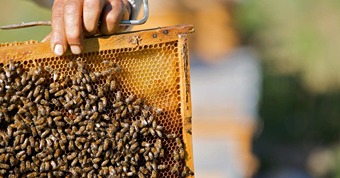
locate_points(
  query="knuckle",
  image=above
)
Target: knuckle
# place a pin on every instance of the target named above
(112, 18)
(90, 29)
(92, 4)
(73, 37)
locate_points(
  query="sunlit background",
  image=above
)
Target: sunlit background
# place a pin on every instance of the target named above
(17, 11)
(265, 82)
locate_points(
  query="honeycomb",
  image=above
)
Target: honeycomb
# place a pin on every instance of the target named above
(154, 66)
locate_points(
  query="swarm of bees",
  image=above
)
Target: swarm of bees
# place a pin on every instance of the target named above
(66, 126)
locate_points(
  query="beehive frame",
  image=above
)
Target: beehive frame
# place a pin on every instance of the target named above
(155, 66)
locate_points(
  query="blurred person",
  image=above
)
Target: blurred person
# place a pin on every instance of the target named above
(225, 84)
(72, 20)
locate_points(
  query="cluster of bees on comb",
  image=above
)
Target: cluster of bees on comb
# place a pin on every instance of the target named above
(59, 126)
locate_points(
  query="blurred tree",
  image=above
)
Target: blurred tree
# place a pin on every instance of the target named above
(296, 37)
(299, 44)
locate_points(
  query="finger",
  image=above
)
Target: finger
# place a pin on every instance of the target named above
(91, 13)
(111, 17)
(47, 37)
(126, 15)
(58, 39)
(73, 24)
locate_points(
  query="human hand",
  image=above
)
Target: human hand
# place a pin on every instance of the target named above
(72, 20)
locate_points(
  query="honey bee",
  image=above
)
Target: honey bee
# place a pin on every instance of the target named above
(120, 145)
(67, 98)
(16, 140)
(161, 153)
(22, 111)
(80, 131)
(171, 136)
(74, 162)
(129, 99)
(32, 175)
(23, 79)
(68, 120)
(175, 168)
(71, 64)
(181, 153)
(59, 93)
(55, 113)
(159, 111)
(179, 142)
(77, 120)
(11, 107)
(137, 101)
(176, 155)
(151, 156)
(100, 106)
(55, 75)
(17, 83)
(124, 112)
(104, 163)
(13, 161)
(37, 99)
(68, 104)
(58, 173)
(143, 121)
(42, 167)
(93, 97)
(145, 114)
(24, 144)
(186, 172)
(104, 101)
(117, 104)
(55, 85)
(20, 154)
(106, 117)
(94, 116)
(159, 127)
(152, 131)
(44, 102)
(8, 73)
(118, 95)
(60, 124)
(57, 153)
(71, 145)
(89, 88)
(134, 147)
(140, 175)
(56, 102)
(144, 131)
(146, 144)
(162, 167)
(40, 81)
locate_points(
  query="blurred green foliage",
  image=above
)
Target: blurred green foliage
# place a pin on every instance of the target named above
(17, 11)
(298, 41)
(296, 36)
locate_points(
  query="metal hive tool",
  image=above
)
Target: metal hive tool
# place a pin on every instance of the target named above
(155, 67)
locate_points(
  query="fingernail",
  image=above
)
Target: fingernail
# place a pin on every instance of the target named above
(58, 50)
(75, 49)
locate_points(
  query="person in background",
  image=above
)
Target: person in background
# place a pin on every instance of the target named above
(72, 20)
